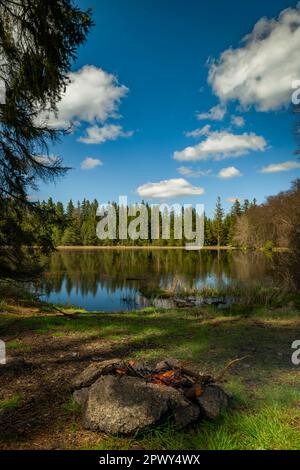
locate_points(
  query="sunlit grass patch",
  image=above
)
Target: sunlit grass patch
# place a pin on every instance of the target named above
(59, 334)
(10, 403)
(237, 391)
(151, 352)
(17, 345)
(268, 428)
(282, 394)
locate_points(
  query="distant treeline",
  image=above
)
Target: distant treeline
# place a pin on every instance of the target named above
(76, 225)
(247, 224)
(274, 223)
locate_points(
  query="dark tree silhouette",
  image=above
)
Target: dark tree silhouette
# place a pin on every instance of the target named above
(38, 42)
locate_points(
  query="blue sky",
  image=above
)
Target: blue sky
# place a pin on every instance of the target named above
(147, 80)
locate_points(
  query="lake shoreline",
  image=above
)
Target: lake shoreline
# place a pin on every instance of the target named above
(151, 247)
(137, 247)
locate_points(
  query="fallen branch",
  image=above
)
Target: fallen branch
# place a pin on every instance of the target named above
(228, 365)
(65, 314)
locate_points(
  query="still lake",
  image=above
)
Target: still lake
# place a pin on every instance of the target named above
(116, 280)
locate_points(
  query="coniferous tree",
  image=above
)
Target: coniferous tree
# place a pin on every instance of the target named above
(246, 205)
(236, 208)
(218, 222)
(38, 42)
(208, 232)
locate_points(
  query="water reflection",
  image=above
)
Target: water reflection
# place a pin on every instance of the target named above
(110, 280)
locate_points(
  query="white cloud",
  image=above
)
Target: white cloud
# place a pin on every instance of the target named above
(198, 132)
(216, 113)
(229, 172)
(261, 72)
(90, 163)
(191, 173)
(278, 167)
(169, 188)
(232, 200)
(219, 145)
(98, 135)
(238, 121)
(92, 96)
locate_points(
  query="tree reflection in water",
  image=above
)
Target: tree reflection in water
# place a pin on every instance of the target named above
(112, 279)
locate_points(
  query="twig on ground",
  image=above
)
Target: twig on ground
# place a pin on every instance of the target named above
(69, 315)
(228, 365)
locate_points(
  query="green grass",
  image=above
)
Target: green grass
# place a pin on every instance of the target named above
(71, 407)
(10, 403)
(17, 345)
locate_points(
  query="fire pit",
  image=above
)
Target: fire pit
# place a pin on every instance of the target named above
(119, 396)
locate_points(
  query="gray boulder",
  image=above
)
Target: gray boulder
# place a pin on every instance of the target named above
(212, 401)
(124, 405)
(80, 396)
